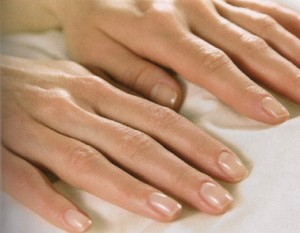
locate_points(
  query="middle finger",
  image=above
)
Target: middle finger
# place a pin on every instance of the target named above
(139, 154)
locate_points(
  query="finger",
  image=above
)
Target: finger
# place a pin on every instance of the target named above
(134, 72)
(177, 134)
(146, 159)
(196, 60)
(86, 168)
(286, 17)
(265, 27)
(134, 151)
(211, 68)
(29, 186)
(166, 126)
(269, 67)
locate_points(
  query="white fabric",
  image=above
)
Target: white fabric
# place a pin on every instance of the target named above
(267, 201)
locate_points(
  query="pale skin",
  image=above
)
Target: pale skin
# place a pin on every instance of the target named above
(117, 141)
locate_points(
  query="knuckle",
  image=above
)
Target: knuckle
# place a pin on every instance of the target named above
(254, 43)
(160, 13)
(82, 158)
(164, 14)
(214, 60)
(59, 97)
(135, 143)
(86, 81)
(99, 91)
(58, 101)
(266, 23)
(271, 5)
(163, 118)
(92, 83)
(260, 45)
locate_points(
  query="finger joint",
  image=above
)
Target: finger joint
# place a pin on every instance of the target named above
(135, 144)
(214, 60)
(82, 158)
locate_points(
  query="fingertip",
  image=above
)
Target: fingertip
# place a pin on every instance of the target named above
(275, 110)
(40, 196)
(163, 94)
(167, 208)
(77, 220)
(261, 106)
(232, 166)
(167, 94)
(217, 199)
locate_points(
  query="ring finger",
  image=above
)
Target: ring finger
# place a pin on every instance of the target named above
(137, 153)
(84, 167)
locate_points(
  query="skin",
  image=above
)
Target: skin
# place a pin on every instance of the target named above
(83, 133)
(70, 132)
(218, 60)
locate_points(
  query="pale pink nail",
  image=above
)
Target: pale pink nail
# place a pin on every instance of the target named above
(215, 195)
(77, 220)
(163, 94)
(164, 204)
(232, 166)
(274, 108)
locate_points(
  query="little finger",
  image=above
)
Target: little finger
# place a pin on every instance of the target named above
(29, 185)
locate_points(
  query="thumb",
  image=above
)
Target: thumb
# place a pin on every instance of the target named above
(142, 76)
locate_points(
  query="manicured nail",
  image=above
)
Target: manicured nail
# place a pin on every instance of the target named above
(274, 108)
(215, 195)
(164, 204)
(232, 166)
(164, 95)
(77, 220)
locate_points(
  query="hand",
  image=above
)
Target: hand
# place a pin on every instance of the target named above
(210, 43)
(57, 116)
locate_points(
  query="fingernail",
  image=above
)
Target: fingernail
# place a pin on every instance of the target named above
(215, 195)
(164, 204)
(164, 95)
(274, 108)
(232, 166)
(77, 220)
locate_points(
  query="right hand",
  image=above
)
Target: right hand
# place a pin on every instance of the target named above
(57, 116)
(212, 43)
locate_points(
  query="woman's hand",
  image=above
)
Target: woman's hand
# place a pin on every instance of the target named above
(210, 43)
(57, 116)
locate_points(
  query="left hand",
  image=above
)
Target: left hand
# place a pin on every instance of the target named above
(58, 117)
(210, 43)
